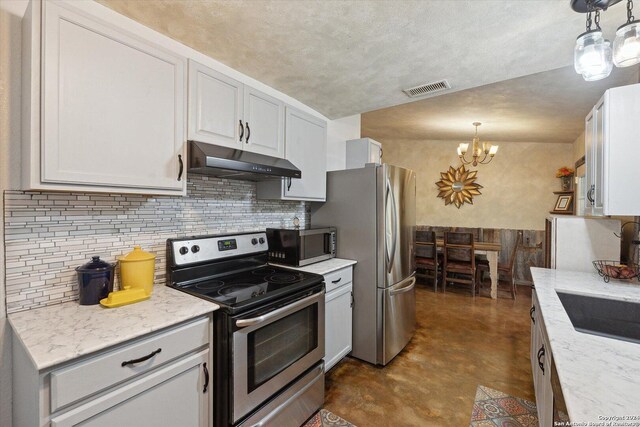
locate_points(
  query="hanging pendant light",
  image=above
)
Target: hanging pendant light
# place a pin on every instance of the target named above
(626, 45)
(592, 54)
(481, 152)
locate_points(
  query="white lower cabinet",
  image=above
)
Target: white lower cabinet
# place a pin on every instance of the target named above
(338, 316)
(163, 379)
(145, 402)
(541, 366)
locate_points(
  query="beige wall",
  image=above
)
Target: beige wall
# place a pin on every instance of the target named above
(518, 183)
(578, 152)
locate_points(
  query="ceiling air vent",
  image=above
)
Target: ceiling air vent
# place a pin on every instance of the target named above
(427, 89)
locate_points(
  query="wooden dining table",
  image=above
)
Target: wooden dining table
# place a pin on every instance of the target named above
(492, 251)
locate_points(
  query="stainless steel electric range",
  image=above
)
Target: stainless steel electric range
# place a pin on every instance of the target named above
(268, 334)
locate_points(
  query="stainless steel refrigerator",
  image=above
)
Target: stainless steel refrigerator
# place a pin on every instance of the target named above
(374, 211)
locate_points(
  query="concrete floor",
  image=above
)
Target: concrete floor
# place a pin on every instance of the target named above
(460, 343)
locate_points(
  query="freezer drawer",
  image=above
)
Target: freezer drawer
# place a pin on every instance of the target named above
(398, 318)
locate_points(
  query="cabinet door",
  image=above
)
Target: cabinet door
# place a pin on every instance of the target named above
(547, 394)
(338, 325)
(589, 187)
(215, 107)
(375, 152)
(264, 123)
(306, 148)
(534, 339)
(598, 157)
(171, 396)
(113, 105)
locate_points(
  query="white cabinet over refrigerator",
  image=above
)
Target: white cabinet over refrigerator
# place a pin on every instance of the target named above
(362, 151)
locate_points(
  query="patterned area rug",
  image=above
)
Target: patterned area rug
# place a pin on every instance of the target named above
(325, 418)
(494, 408)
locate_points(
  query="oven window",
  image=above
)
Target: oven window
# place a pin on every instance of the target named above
(278, 345)
(315, 245)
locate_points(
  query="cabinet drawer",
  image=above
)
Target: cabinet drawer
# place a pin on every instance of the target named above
(90, 376)
(338, 278)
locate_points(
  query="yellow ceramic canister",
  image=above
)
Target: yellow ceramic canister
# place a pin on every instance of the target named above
(137, 270)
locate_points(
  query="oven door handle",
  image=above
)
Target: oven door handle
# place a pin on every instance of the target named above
(243, 323)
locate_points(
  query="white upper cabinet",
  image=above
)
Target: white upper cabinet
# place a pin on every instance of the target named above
(215, 107)
(264, 123)
(362, 151)
(306, 148)
(223, 111)
(612, 132)
(107, 110)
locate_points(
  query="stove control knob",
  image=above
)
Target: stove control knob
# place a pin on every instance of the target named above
(184, 250)
(254, 241)
(262, 240)
(195, 249)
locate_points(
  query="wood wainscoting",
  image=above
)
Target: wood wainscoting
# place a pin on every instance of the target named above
(529, 254)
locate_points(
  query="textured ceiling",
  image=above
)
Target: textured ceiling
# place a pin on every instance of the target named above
(544, 107)
(351, 56)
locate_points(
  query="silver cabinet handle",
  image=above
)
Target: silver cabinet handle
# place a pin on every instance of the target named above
(243, 323)
(404, 289)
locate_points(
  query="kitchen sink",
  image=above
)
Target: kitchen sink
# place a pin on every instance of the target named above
(605, 317)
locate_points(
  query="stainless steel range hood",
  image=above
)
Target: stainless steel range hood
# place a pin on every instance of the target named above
(223, 162)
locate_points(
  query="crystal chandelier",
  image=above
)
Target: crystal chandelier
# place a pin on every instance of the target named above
(479, 151)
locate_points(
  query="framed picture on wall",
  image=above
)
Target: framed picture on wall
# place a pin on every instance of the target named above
(563, 204)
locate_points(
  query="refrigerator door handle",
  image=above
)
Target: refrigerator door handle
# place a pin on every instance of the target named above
(391, 256)
(404, 289)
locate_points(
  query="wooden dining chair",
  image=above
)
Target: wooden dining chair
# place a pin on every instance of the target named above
(506, 271)
(459, 260)
(427, 262)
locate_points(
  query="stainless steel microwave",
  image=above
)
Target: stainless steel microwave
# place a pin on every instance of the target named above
(298, 247)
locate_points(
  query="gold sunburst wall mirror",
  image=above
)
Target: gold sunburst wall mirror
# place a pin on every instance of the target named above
(458, 186)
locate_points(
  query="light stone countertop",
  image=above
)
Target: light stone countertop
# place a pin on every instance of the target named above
(599, 376)
(322, 267)
(59, 333)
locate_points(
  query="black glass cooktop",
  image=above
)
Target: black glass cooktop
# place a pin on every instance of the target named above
(247, 287)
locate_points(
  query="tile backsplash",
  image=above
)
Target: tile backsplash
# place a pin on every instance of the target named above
(48, 234)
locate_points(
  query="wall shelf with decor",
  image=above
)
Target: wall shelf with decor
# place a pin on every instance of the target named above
(565, 203)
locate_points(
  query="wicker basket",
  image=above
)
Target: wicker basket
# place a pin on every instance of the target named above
(614, 270)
